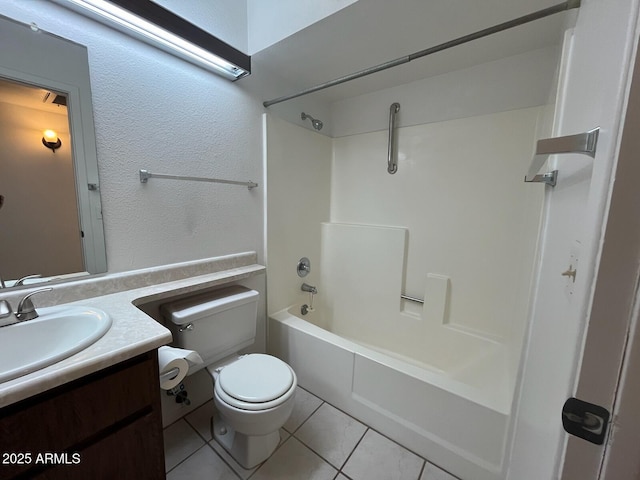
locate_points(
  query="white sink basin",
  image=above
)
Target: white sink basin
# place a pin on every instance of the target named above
(56, 334)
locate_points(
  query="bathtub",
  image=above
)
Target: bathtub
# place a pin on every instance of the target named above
(451, 406)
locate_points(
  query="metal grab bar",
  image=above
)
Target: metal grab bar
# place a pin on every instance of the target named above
(146, 175)
(584, 143)
(412, 299)
(392, 160)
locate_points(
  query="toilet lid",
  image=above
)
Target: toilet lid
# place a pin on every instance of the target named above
(256, 378)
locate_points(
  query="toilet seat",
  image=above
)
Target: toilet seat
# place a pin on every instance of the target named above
(255, 382)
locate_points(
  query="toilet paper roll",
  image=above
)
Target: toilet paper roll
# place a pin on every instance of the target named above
(171, 358)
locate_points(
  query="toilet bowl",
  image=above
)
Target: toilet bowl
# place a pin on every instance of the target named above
(254, 397)
(253, 394)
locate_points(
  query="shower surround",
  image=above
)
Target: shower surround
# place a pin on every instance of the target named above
(455, 226)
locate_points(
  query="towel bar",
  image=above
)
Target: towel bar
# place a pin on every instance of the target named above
(145, 175)
(584, 143)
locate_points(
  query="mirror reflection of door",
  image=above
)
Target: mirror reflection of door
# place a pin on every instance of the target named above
(39, 227)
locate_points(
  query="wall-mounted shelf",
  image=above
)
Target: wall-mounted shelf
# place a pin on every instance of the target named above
(584, 143)
(145, 175)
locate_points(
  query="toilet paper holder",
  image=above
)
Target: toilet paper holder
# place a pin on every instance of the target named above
(175, 364)
(170, 375)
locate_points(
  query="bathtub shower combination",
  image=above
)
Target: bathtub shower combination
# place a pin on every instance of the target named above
(423, 277)
(442, 391)
(452, 412)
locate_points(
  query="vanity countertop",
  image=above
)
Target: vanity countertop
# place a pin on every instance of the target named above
(132, 333)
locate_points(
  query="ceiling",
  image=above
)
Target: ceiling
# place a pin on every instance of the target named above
(371, 32)
(29, 96)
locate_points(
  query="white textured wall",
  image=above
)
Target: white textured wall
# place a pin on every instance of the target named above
(158, 112)
(298, 178)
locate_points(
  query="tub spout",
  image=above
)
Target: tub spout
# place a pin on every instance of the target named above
(308, 288)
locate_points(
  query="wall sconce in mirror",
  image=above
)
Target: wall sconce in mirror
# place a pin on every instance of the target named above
(162, 28)
(50, 140)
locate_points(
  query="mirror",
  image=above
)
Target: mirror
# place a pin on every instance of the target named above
(50, 209)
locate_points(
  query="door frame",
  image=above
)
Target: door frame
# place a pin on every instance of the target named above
(611, 356)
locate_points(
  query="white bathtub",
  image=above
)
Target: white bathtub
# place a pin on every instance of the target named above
(451, 405)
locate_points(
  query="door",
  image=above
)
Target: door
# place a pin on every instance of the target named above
(611, 359)
(578, 329)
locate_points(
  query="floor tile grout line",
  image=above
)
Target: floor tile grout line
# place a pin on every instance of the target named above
(424, 465)
(342, 411)
(369, 427)
(345, 475)
(184, 417)
(380, 433)
(293, 434)
(389, 438)
(403, 447)
(277, 448)
(425, 461)
(174, 423)
(233, 470)
(312, 451)
(353, 450)
(196, 430)
(308, 416)
(317, 453)
(200, 436)
(185, 458)
(207, 443)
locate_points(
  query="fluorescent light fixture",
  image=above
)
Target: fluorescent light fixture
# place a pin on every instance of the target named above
(161, 28)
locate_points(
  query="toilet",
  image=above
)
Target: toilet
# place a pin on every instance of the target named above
(253, 394)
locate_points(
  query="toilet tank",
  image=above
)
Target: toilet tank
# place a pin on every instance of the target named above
(214, 324)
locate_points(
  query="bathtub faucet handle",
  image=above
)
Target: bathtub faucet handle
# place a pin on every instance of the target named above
(308, 288)
(304, 267)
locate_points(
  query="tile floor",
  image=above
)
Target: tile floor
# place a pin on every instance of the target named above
(318, 442)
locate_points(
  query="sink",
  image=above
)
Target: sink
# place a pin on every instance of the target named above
(56, 334)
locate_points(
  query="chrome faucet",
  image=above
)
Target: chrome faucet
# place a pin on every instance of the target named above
(313, 291)
(308, 288)
(20, 281)
(26, 309)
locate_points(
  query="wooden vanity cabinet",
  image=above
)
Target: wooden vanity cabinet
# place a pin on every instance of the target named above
(107, 425)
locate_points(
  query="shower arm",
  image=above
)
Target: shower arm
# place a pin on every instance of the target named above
(317, 124)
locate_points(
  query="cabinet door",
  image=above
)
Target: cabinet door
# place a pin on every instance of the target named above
(111, 419)
(129, 453)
